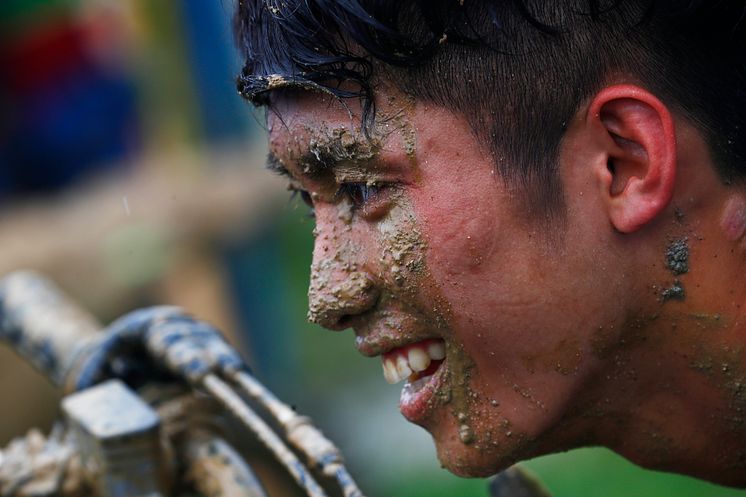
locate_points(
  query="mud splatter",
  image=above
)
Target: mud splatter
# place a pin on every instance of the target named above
(399, 122)
(611, 342)
(678, 215)
(403, 254)
(342, 281)
(466, 434)
(345, 211)
(659, 446)
(347, 297)
(337, 287)
(329, 146)
(734, 381)
(674, 292)
(677, 261)
(564, 358)
(677, 256)
(403, 260)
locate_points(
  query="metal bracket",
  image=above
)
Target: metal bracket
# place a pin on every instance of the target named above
(118, 436)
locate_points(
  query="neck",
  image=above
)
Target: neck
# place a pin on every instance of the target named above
(681, 382)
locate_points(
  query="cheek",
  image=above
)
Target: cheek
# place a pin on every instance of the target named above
(473, 254)
(495, 276)
(461, 236)
(459, 227)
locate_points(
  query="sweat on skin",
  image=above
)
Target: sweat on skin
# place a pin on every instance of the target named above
(555, 329)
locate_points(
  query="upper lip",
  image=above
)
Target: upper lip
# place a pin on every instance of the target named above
(383, 332)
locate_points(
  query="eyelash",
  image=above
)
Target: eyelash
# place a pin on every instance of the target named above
(305, 197)
(358, 193)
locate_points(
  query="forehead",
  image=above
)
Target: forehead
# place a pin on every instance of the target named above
(425, 140)
(306, 122)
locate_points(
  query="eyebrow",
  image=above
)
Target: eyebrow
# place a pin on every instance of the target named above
(275, 165)
(312, 164)
(318, 159)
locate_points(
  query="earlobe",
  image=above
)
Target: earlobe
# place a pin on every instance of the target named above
(638, 136)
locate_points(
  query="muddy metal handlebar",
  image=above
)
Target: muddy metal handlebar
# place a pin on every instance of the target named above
(42, 325)
(118, 435)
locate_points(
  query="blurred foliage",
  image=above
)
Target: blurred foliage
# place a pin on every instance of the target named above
(601, 473)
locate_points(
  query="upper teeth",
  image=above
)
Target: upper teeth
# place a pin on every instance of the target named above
(400, 364)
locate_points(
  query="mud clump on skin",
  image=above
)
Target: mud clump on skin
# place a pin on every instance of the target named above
(677, 256)
(674, 292)
(351, 293)
(403, 249)
(337, 145)
(340, 144)
(465, 434)
(403, 261)
(337, 287)
(677, 261)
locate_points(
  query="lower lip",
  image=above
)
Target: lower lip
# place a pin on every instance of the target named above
(416, 405)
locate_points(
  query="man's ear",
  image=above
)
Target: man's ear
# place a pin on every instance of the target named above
(637, 134)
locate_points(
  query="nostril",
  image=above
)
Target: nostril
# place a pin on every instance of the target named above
(331, 320)
(344, 322)
(336, 306)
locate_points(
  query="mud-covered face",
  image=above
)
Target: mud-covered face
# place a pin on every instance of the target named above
(422, 250)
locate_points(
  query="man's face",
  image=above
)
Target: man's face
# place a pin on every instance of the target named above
(422, 249)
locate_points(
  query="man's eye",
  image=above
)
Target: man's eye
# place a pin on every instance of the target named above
(305, 196)
(358, 193)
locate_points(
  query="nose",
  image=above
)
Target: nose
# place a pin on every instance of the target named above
(339, 289)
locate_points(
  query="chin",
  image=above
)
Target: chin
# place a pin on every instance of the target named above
(473, 462)
(478, 460)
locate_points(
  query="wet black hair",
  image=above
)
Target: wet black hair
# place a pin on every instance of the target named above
(516, 69)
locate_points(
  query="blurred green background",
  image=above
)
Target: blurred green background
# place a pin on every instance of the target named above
(131, 172)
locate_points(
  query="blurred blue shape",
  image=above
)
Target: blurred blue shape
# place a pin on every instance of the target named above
(215, 64)
(259, 286)
(67, 129)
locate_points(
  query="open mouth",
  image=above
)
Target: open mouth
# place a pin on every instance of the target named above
(418, 364)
